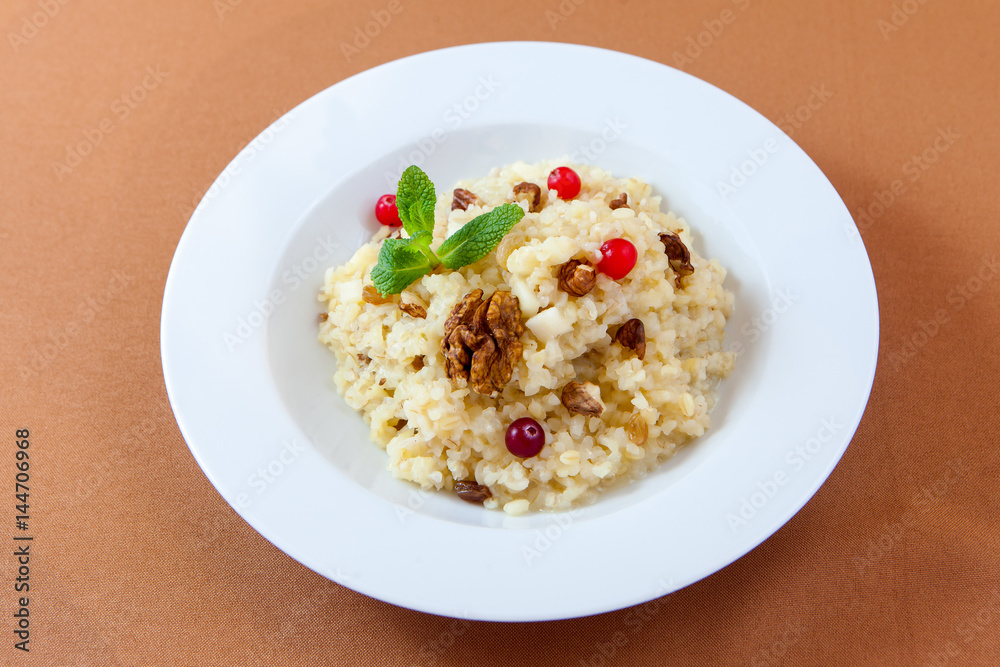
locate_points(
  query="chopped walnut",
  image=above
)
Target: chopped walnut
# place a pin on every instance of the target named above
(323, 317)
(637, 429)
(472, 492)
(678, 254)
(463, 199)
(482, 340)
(583, 398)
(577, 277)
(413, 310)
(632, 335)
(533, 192)
(371, 295)
(621, 201)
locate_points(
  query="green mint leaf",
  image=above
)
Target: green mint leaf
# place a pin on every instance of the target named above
(400, 263)
(422, 242)
(479, 236)
(415, 200)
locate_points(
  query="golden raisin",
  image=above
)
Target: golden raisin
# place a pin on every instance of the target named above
(371, 295)
(637, 429)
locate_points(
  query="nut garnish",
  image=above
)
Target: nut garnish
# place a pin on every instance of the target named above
(637, 429)
(677, 253)
(463, 199)
(413, 310)
(632, 335)
(532, 191)
(482, 340)
(577, 277)
(621, 201)
(472, 492)
(583, 398)
(371, 295)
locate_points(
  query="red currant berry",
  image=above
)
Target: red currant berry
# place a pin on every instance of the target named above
(525, 438)
(617, 258)
(386, 211)
(565, 182)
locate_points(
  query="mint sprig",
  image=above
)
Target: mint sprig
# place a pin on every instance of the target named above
(402, 262)
(415, 200)
(479, 236)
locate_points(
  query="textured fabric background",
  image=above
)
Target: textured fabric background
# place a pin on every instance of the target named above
(138, 561)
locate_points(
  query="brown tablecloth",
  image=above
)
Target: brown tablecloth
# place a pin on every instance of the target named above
(117, 116)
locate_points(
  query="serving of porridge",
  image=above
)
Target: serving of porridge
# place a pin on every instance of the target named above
(580, 352)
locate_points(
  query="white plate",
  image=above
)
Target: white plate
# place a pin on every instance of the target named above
(251, 387)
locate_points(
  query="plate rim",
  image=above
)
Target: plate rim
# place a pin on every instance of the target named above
(181, 251)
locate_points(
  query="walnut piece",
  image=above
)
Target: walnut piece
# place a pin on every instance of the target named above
(471, 492)
(621, 201)
(583, 398)
(413, 310)
(533, 192)
(577, 277)
(482, 340)
(463, 199)
(632, 335)
(677, 253)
